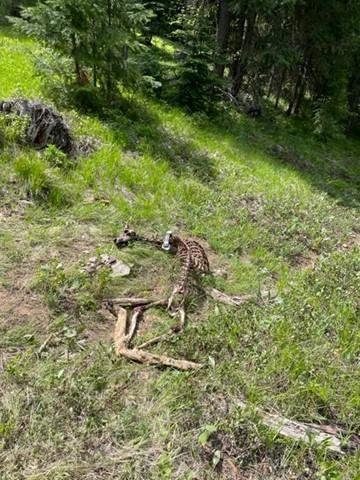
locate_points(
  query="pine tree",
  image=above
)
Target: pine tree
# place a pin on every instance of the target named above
(99, 35)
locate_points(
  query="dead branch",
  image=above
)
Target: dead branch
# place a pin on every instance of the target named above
(330, 435)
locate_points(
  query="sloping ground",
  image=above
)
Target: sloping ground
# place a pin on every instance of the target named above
(279, 211)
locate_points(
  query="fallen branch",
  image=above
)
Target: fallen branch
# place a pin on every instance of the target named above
(45, 344)
(330, 435)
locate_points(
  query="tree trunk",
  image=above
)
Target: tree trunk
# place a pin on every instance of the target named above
(78, 69)
(279, 89)
(108, 55)
(222, 35)
(292, 100)
(271, 82)
(94, 68)
(240, 68)
(294, 105)
(238, 41)
(94, 76)
(300, 96)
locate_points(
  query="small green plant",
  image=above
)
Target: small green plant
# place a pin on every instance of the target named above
(207, 431)
(41, 182)
(13, 128)
(56, 158)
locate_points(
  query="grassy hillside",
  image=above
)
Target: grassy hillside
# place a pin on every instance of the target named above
(278, 212)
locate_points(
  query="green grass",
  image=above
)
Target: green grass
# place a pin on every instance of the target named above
(281, 220)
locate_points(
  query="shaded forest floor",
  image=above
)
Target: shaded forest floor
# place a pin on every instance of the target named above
(278, 210)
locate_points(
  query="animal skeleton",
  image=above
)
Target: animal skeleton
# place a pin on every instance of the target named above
(192, 257)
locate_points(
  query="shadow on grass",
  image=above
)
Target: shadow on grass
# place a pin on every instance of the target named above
(332, 165)
(145, 133)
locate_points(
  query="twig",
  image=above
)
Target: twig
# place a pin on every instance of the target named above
(44, 345)
(154, 340)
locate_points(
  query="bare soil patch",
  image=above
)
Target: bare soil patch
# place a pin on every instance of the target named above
(19, 306)
(305, 261)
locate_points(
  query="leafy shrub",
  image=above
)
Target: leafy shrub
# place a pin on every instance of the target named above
(329, 115)
(56, 158)
(13, 128)
(86, 99)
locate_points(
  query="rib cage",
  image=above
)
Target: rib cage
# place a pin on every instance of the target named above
(192, 256)
(190, 253)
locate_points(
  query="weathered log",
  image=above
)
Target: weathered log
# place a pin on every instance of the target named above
(332, 436)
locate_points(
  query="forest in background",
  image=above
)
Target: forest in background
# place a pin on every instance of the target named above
(299, 56)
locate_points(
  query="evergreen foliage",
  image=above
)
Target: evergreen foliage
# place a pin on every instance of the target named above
(100, 36)
(197, 84)
(300, 56)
